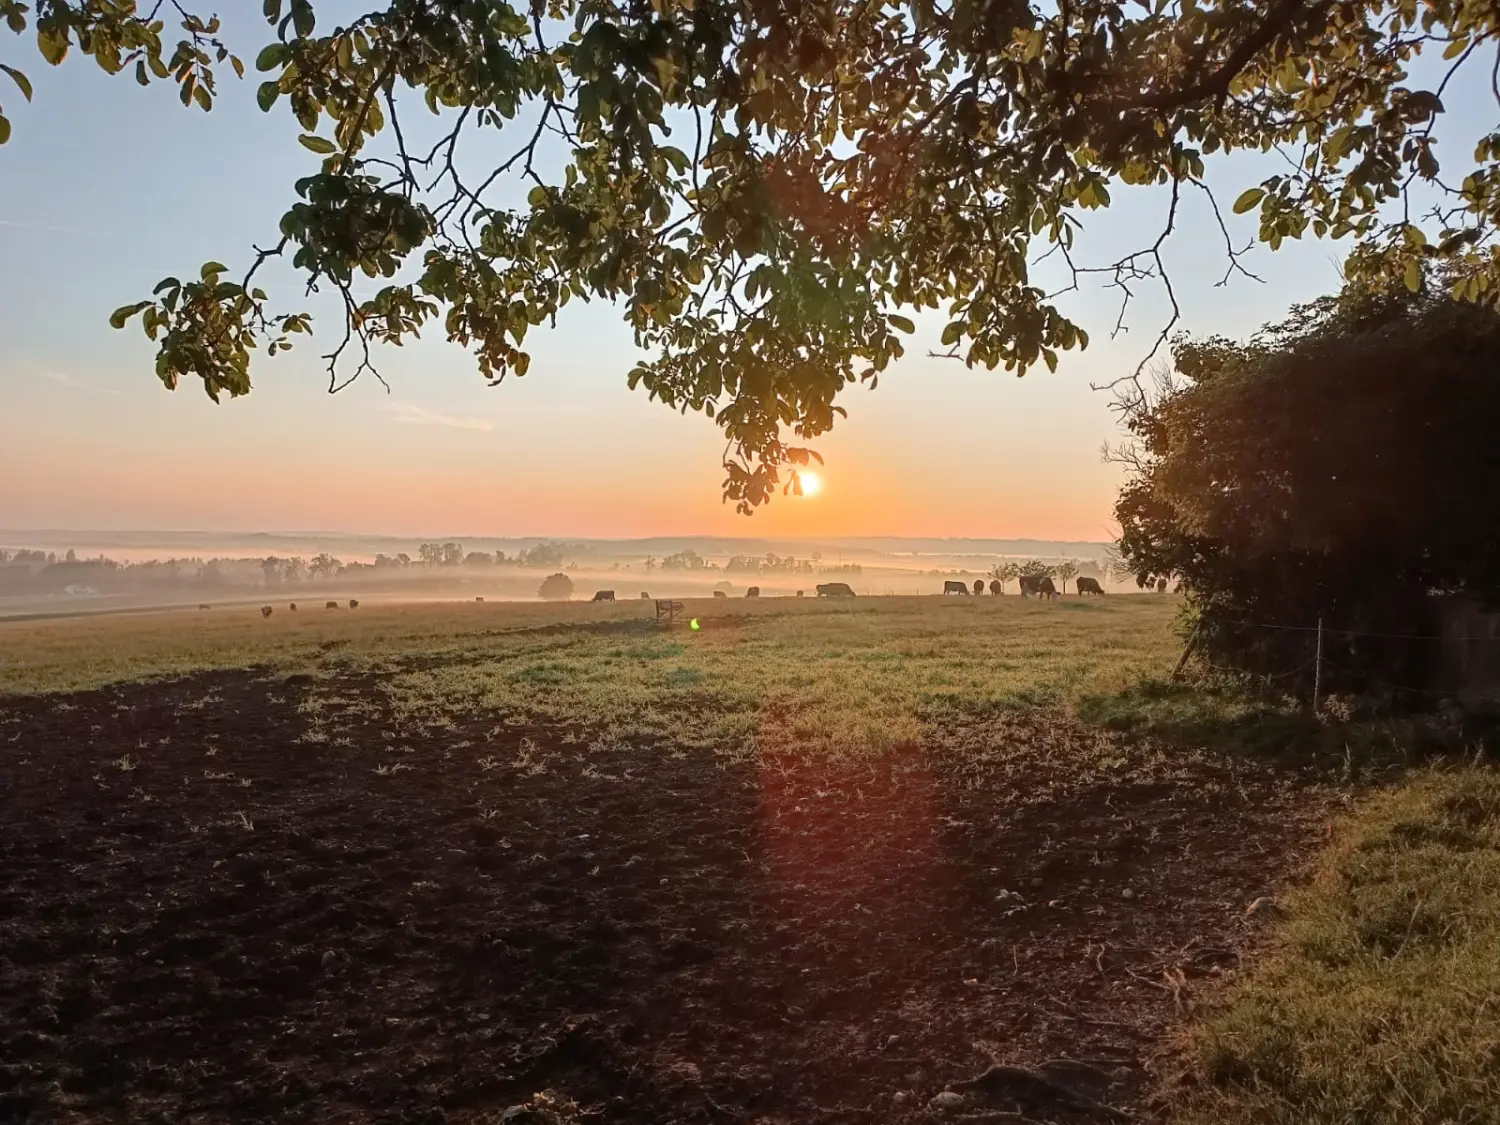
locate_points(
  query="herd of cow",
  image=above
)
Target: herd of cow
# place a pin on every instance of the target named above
(1040, 585)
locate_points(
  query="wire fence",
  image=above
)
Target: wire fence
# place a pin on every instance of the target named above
(1331, 659)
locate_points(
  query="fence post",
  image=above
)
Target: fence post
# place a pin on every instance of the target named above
(1318, 670)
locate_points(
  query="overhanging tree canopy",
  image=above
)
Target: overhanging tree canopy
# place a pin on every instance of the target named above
(763, 185)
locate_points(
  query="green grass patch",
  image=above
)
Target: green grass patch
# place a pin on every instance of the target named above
(1381, 1002)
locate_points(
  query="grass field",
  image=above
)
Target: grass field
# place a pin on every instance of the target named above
(814, 861)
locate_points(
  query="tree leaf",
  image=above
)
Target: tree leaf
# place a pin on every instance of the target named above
(1248, 199)
(266, 96)
(19, 79)
(951, 333)
(270, 57)
(902, 322)
(320, 145)
(53, 45)
(1413, 276)
(4, 129)
(210, 269)
(118, 318)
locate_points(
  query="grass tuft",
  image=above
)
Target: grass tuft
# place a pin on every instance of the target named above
(1381, 1002)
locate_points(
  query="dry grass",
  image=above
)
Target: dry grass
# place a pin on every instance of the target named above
(1381, 1002)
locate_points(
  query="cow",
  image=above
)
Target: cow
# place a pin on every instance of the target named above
(330, 605)
(265, 611)
(978, 587)
(996, 589)
(353, 603)
(604, 595)
(203, 607)
(834, 590)
(753, 592)
(1087, 585)
(293, 607)
(955, 588)
(799, 593)
(645, 596)
(720, 594)
(479, 600)
(1039, 584)
(1161, 585)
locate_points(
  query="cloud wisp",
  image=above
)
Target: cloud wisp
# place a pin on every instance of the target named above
(420, 416)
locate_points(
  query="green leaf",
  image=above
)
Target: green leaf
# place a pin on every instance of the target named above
(302, 18)
(321, 145)
(4, 129)
(1413, 274)
(1248, 199)
(537, 196)
(19, 79)
(53, 45)
(272, 10)
(266, 96)
(142, 75)
(902, 322)
(951, 333)
(118, 318)
(210, 269)
(270, 57)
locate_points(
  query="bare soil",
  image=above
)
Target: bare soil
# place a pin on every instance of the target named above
(205, 918)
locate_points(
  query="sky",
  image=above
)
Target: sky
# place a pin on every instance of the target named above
(106, 187)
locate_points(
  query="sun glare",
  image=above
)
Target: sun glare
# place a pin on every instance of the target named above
(812, 484)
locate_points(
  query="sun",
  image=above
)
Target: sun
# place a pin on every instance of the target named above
(812, 484)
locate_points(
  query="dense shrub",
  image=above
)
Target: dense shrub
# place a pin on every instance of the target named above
(1341, 465)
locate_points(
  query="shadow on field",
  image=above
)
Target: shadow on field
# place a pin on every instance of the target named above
(204, 915)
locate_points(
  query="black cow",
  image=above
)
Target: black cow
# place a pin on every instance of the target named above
(330, 605)
(834, 590)
(1087, 585)
(353, 603)
(720, 594)
(604, 595)
(479, 599)
(203, 607)
(1039, 584)
(996, 589)
(799, 593)
(265, 611)
(1161, 585)
(978, 587)
(293, 607)
(955, 588)
(753, 592)
(645, 596)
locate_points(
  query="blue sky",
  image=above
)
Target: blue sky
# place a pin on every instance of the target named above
(106, 187)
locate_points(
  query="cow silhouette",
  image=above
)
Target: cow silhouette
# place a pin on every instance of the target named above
(955, 588)
(1087, 585)
(604, 595)
(353, 603)
(753, 592)
(834, 590)
(265, 611)
(330, 605)
(996, 589)
(1039, 584)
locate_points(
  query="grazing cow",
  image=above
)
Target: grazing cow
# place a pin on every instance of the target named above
(645, 596)
(330, 605)
(834, 590)
(1039, 584)
(720, 594)
(353, 603)
(955, 588)
(753, 592)
(1161, 585)
(203, 607)
(479, 599)
(1087, 585)
(1177, 589)
(978, 587)
(996, 589)
(604, 595)
(799, 593)
(265, 611)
